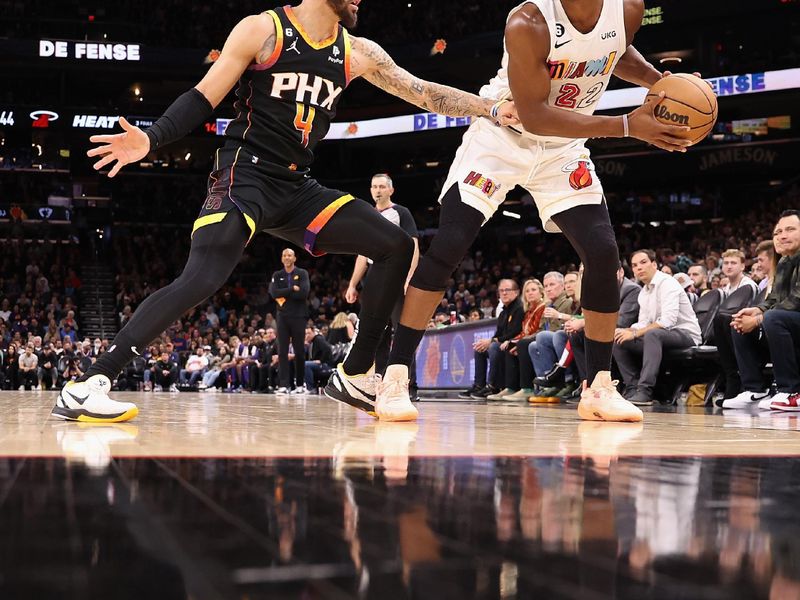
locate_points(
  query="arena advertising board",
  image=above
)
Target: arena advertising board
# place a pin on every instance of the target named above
(733, 85)
(445, 358)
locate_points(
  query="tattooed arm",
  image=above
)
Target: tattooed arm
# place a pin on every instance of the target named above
(374, 64)
(252, 38)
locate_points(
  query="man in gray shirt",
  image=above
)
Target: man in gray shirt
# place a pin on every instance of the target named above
(28, 368)
(666, 320)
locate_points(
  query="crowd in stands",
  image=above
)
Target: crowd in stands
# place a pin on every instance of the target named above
(40, 281)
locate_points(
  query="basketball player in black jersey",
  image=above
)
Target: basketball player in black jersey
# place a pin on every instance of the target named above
(292, 65)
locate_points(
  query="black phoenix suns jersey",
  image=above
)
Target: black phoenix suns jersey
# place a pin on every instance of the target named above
(285, 105)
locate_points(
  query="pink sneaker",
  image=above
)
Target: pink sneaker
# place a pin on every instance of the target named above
(602, 402)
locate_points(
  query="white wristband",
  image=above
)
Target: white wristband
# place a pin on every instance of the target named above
(625, 128)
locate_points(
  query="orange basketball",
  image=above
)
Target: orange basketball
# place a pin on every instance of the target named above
(689, 101)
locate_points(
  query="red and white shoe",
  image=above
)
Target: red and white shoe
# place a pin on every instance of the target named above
(602, 402)
(786, 402)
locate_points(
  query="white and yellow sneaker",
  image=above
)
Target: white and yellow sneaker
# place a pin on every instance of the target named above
(602, 402)
(393, 402)
(358, 391)
(88, 402)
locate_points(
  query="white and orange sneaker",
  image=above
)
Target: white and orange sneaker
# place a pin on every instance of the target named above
(393, 402)
(88, 402)
(602, 402)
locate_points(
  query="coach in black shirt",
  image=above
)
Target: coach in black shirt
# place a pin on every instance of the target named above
(290, 288)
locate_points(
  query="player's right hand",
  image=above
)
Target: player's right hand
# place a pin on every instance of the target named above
(130, 146)
(644, 126)
(351, 295)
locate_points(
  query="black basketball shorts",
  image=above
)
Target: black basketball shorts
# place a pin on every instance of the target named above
(284, 203)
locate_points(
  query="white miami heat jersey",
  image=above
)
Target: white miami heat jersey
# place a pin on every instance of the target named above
(580, 64)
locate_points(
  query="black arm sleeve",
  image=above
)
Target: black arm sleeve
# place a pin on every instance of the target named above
(184, 115)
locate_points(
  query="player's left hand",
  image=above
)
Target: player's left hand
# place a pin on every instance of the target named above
(125, 148)
(507, 114)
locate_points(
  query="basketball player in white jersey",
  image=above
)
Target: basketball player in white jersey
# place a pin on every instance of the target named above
(560, 55)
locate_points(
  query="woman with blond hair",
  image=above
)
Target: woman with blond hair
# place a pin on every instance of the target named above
(517, 358)
(340, 330)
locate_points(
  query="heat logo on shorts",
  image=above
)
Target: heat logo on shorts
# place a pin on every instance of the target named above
(581, 177)
(484, 184)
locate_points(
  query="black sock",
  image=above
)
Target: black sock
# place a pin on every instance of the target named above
(111, 363)
(362, 354)
(404, 345)
(598, 358)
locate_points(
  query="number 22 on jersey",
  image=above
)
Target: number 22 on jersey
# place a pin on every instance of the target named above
(304, 121)
(569, 93)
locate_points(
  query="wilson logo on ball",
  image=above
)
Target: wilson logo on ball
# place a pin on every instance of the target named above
(581, 177)
(662, 112)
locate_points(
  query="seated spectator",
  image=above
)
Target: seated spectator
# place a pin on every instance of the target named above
(29, 368)
(533, 306)
(319, 358)
(195, 368)
(511, 317)
(11, 381)
(723, 339)
(686, 283)
(765, 265)
(487, 351)
(561, 308)
(245, 355)
(341, 330)
(666, 320)
(72, 369)
(268, 367)
(165, 374)
(475, 315)
(48, 362)
(68, 332)
(217, 366)
(571, 284)
(779, 317)
(733, 263)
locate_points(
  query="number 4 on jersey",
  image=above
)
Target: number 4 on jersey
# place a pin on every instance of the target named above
(304, 122)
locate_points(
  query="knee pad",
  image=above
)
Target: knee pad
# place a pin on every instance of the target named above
(459, 225)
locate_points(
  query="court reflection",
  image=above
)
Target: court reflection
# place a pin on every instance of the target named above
(373, 521)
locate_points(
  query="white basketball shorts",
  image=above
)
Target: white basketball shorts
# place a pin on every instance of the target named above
(492, 160)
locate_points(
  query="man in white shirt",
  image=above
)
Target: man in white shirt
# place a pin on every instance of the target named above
(666, 320)
(733, 269)
(196, 366)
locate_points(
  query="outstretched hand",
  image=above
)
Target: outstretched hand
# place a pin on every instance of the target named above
(130, 146)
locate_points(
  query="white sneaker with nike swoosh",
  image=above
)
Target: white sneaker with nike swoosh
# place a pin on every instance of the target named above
(88, 402)
(356, 390)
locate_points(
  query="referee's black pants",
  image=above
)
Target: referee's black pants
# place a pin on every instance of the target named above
(294, 329)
